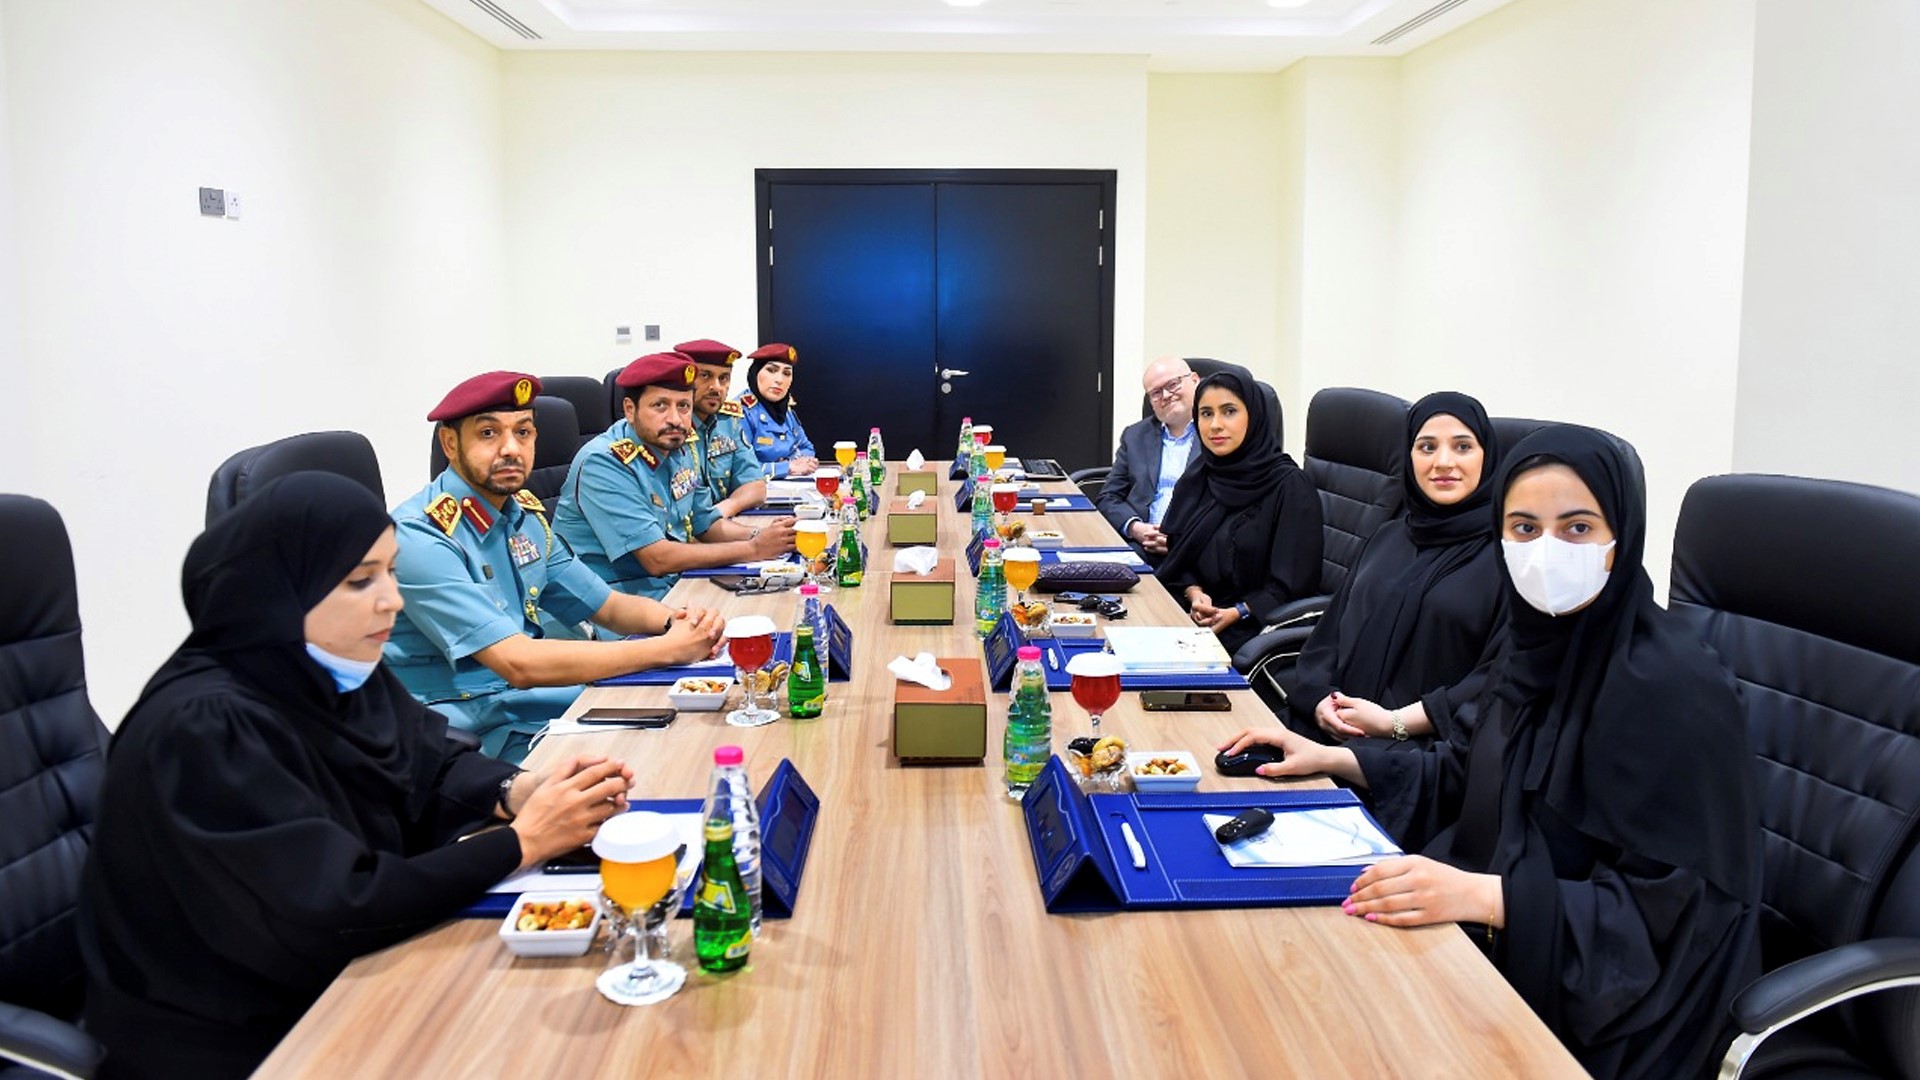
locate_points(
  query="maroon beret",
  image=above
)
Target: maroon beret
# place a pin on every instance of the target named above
(668, 370)
(502, 390)
(775, 351)
(708, 351)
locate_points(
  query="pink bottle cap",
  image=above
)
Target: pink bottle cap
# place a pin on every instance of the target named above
(1028, 652)
(993, 542)
(809, 589)
(728, 755)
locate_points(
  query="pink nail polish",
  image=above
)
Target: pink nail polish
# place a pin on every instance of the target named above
(1371, 917)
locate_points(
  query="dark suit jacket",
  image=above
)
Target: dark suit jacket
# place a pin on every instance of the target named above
(1136, 475)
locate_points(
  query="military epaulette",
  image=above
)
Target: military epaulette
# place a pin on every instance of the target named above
(626, 450)
(733, 409)
(646, 455)
(748, 401)
(528, 500)
(445, 513)
(477, 514)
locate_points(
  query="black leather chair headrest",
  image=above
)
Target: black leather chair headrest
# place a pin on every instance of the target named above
(1511, 429)
(1358, 427)
(589, 400)
(559, 436)
(41, 599)
(347, 453)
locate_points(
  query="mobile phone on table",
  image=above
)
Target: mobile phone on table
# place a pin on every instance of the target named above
(649, 717)
(580, 860)
(1185, 701)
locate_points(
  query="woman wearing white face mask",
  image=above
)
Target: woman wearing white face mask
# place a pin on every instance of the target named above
(1601, 829)
(276, 804)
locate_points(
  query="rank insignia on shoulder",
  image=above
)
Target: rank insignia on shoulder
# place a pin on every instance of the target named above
(445, 513)
(625, 450)
(732, 408)
(529, 500)
(748, 401)
(646, 455)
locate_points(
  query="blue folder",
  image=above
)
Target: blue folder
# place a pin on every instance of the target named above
(1007, 637)
(788, 810)
(1083, 865)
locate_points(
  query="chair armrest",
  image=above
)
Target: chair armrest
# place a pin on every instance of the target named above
(1807, 985)
(39, 1041)
(1274, 641)
(1302, 612)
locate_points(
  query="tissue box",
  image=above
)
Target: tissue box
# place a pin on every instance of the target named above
(942, 726)
(906, 527)
(912, 480)
(913, 600)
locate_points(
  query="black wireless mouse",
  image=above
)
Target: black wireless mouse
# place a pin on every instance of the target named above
(1245, 762)
(1249, 822)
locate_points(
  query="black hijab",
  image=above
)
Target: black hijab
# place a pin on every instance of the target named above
(249, 581)
(1215, 486)
(775, 409)
(1445, 538)
(1617, 714)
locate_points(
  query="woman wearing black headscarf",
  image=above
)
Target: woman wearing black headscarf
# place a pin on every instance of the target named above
(1423, 605)
(1243, 527)
(277, 804)
(1602, 824)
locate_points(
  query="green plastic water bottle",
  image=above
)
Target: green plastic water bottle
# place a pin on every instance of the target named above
(722, 920)
(1029, 738)
(990, 590)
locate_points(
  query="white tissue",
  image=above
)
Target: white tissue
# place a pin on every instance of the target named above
(922, 669)
(914, 500)
(916, 560)
(915, 461)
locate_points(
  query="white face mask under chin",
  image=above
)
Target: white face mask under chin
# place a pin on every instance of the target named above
(1556, 576)
(348, 675)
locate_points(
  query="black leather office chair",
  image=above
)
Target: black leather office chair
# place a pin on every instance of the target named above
(52, 755)
(614, 395)
(1808, 591)
(1511, 429)
(589, 400)
(553, 449)
(345, 452)
(1092, 481)
(1355, 453)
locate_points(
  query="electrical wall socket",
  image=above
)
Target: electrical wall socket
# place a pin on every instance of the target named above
(233, 205)
(653, 332)
(213, 202)
(622, 334)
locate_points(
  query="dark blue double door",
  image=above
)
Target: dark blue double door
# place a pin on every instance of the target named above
(917, 298)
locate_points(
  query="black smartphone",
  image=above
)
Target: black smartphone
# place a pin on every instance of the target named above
(1185, 701)
(580, 860)
(655, 717)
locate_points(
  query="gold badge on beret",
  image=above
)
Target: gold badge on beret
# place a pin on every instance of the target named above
(792, 354)
(523, 391)
(689, 374)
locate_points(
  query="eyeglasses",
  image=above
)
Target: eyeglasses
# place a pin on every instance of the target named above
(1168, 389)
(1109, 606)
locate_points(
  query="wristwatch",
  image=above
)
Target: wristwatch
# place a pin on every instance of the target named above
(1399, 727)
(506, 787)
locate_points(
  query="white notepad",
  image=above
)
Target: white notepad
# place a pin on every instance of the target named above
(1333, 836)
(1167, 650)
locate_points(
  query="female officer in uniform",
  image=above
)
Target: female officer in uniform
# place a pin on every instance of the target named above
(772, 427)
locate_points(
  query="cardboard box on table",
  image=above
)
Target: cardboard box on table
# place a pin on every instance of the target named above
(942, 726)
(913, 600)
(912, 480)
(907, 527)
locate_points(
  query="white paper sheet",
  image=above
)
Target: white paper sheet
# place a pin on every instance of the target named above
(1334, 836)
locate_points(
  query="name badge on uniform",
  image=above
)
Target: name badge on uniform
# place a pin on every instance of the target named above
(764, 440)
(657, 502)
(523, 549)
(683, 483)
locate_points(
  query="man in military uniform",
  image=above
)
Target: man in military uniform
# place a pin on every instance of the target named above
(478, 565)
(732, 474)
(771, 423)
(633, 506)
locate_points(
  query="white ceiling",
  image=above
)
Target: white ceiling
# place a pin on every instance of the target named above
(1174, 35)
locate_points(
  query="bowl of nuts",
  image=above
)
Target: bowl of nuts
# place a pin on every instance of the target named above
(1163, 770)
(551, 924)
(702, 693)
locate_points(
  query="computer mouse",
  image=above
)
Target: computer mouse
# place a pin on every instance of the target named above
(1246, 761)
(1249, 822)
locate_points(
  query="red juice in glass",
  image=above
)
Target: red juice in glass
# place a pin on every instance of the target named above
(1006, 498)
(752, 654)
(1096, 693)
(827, 482)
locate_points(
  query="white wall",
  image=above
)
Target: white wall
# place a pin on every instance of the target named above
(362, 280)
(630, 176)
(11, 367)
(1573, 190)
(1214, 207)
(1828, 378)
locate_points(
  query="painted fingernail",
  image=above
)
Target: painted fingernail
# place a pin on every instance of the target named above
(1346, 906)
(1371, 917)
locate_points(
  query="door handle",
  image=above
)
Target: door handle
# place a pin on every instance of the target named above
(948, 373)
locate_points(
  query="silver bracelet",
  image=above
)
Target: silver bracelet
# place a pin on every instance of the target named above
(1399, 726)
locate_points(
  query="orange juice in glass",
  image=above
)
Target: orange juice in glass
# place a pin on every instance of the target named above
(1022, 568)
(843, 453)
(810, 540)
(996, 457)
(639, 855)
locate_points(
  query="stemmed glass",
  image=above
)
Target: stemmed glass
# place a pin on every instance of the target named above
(750, 643)
(1096, 683)
(996, 458)
(1006, 499)
(843, 452)
(1021, 566)
(827, 482)
(810, 540)
(639, 855)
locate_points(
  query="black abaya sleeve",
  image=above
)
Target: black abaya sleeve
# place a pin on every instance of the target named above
(466, 789)
(1414, 793)
(1293, 561)
(1315, 670)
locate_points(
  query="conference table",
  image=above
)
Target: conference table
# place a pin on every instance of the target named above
(919, 944)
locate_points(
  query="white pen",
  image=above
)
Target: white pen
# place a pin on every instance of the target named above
(1133, 846)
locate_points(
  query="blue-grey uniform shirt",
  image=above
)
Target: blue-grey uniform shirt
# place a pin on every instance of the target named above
(774, 443)
(473, 576)
(622, 495)
(726, 459)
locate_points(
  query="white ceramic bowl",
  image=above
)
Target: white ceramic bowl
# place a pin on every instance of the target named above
(549, 942)
(1074, 624)
(688, 698)
(1180, 781)
(1046, 539)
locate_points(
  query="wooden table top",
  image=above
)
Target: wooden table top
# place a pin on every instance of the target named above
(920, 946)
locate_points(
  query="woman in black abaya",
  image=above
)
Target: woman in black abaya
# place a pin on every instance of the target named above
(1600, 830)
(1243, 527)
(276, 804)
(1424, 603)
